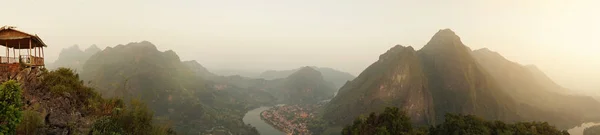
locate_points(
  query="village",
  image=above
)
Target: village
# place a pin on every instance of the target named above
(291, 119)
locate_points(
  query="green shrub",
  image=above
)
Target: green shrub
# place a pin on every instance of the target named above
(10, 107)
(135, 119)
(65, 80)
(32, 120)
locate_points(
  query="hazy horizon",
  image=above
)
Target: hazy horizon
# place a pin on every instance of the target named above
(558, 36)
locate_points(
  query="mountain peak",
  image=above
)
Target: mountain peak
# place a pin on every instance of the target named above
(92, 49)
(445, 32)
(444, 38)
(396, 50)
(307, 70)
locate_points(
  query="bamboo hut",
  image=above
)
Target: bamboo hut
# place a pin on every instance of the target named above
(22, 50)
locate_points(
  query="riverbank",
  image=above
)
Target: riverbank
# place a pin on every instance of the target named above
(254, 119)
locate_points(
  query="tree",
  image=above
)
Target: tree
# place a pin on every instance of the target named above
(391, 122)
(135, 119)
(10, 107)
(395, 122)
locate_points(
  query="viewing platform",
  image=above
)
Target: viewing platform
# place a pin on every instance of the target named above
(22, 50)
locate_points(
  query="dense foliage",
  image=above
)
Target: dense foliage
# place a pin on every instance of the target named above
(66, 82)
(395, 122)
(136, 119)
(391, 122)
(32, 120)
(10, 107)
(593, 130)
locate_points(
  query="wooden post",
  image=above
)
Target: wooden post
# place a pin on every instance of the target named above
(14, 54)
(19, 52)
(30, 60)
(44, 64)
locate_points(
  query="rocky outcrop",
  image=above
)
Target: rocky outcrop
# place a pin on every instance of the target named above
(62, 115)
(396, 79)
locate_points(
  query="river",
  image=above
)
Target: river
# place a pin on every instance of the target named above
(579, 129)
(253, 118)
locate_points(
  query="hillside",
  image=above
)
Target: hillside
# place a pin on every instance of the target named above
(440, 78)
(173, 90)
(73, 57)
(57, 102)
(338, 78)
(396, 79)
(198, 69)
(304, 86)
(523, 82)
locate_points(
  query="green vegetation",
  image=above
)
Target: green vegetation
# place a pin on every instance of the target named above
(32, 120)
(593, 130)
(395, 122)
(136, 119)
(470, 124)
(10, 107)
(317, 125)
(391, 122)
(66, 81)
(58, 102)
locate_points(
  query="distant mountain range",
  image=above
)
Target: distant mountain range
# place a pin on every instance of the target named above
(174, 91)
(445, 76)
(304, 86)
(338, 78)
(73, 57)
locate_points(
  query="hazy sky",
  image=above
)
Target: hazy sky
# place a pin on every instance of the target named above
(562, 37)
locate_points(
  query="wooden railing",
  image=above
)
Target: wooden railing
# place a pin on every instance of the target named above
(8, 60)
(37, 61)
(26, 59)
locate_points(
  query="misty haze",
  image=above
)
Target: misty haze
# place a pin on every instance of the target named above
(275, 67)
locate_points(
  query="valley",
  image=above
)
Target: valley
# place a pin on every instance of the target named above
(405, 91)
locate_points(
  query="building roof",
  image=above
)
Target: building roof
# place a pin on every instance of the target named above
(12, 38)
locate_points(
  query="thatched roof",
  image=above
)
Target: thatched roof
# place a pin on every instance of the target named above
(17, 39)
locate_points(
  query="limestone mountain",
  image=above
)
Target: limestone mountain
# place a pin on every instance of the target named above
(338, 78)
(440, 78)
(304, 86)
(459, 84)
(396, 79)
(173, 90)
(73, 57)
